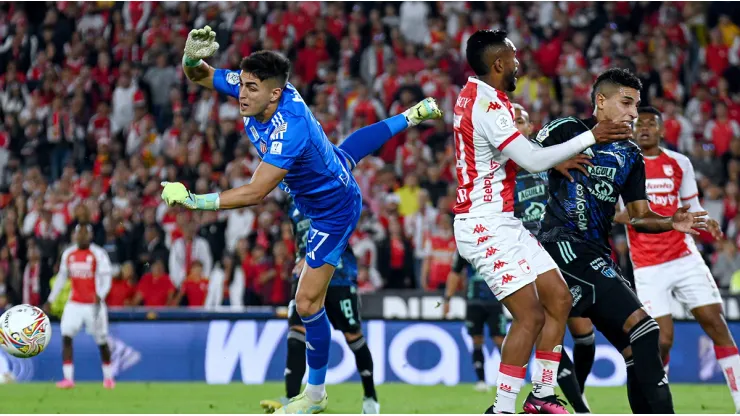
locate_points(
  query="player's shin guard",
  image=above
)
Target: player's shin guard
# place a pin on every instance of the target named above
(295, 363)
(478, 362)
(729, 361)
(510, 382)
(584, 350)
(364, 361)
(318, 340)
(648, 366)
(635, 395)
(569, 385)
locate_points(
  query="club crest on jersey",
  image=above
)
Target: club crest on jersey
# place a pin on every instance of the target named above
(263, 147)
(524, 266)
(232, 78)
(543, 134)
(668, 170)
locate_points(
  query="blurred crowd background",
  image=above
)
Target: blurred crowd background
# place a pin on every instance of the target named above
(96, 111)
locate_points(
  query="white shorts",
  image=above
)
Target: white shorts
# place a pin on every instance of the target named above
(687, 280)
(76, 315)
(505, 253)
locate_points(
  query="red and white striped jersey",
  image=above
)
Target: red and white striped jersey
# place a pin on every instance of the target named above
(483, 127)
(89, 271)
(670, 184)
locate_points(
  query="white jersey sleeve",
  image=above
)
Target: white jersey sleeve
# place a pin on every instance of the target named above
(495, 122)
(61, 277)
(103, 272)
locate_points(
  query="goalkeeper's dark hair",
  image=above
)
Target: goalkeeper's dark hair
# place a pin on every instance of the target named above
(614, 77)
(479, 44)
(267, 65)
(651, 110)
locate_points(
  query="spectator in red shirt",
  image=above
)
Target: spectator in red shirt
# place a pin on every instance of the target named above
(396, 258)
(721, 130)
(195, 287)
(715, 55)
(258, 270)
(155, 288)
(309, 58)
(278, 287)
(123, 288)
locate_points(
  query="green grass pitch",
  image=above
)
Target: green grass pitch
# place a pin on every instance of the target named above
(343, 398)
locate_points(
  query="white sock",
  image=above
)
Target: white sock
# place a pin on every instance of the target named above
(545, 371)
(729, 361)
(315, 393)
(107, 372)
(510, 382)
(68, 369)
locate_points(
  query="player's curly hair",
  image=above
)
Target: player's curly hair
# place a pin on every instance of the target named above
(478, 44)
(267, 65)
(612, 77)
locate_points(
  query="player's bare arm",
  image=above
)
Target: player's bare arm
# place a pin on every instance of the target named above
(644, 220)
(201, 44)
(265, 179)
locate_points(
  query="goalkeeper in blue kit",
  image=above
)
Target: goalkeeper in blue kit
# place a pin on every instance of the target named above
(299, 158)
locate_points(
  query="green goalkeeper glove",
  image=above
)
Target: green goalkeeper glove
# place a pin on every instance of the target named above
(201, 43)
(176, 193)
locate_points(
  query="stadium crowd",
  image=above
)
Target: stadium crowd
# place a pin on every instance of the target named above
(96, 111)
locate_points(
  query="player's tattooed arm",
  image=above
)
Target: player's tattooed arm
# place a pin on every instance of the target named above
(265, 179)
(645, 220)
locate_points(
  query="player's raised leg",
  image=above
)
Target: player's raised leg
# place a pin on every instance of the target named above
(367, 140)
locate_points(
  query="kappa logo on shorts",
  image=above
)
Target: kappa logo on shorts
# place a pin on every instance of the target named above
(483, 239)
(479, 229)
(498, 264)
(506, 279)
(524, 266)
(577, 293)
(490, 251)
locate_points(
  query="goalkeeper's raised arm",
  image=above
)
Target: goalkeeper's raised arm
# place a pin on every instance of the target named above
(201, 44)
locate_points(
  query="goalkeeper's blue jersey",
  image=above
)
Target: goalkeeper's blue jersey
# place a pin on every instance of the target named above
(319, 177)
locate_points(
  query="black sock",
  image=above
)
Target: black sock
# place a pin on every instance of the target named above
(364, 361)
(638, 402)
(569, 385)
(584, 350)
(648, 367)
(295, 366)
(478, 362)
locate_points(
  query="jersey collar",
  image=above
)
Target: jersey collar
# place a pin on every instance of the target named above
(500, 94)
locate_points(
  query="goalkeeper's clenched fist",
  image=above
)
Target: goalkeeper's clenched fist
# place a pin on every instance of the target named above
(201, 44)
(176, 193)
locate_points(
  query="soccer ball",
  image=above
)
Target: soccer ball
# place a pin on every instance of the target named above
(25, 331)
